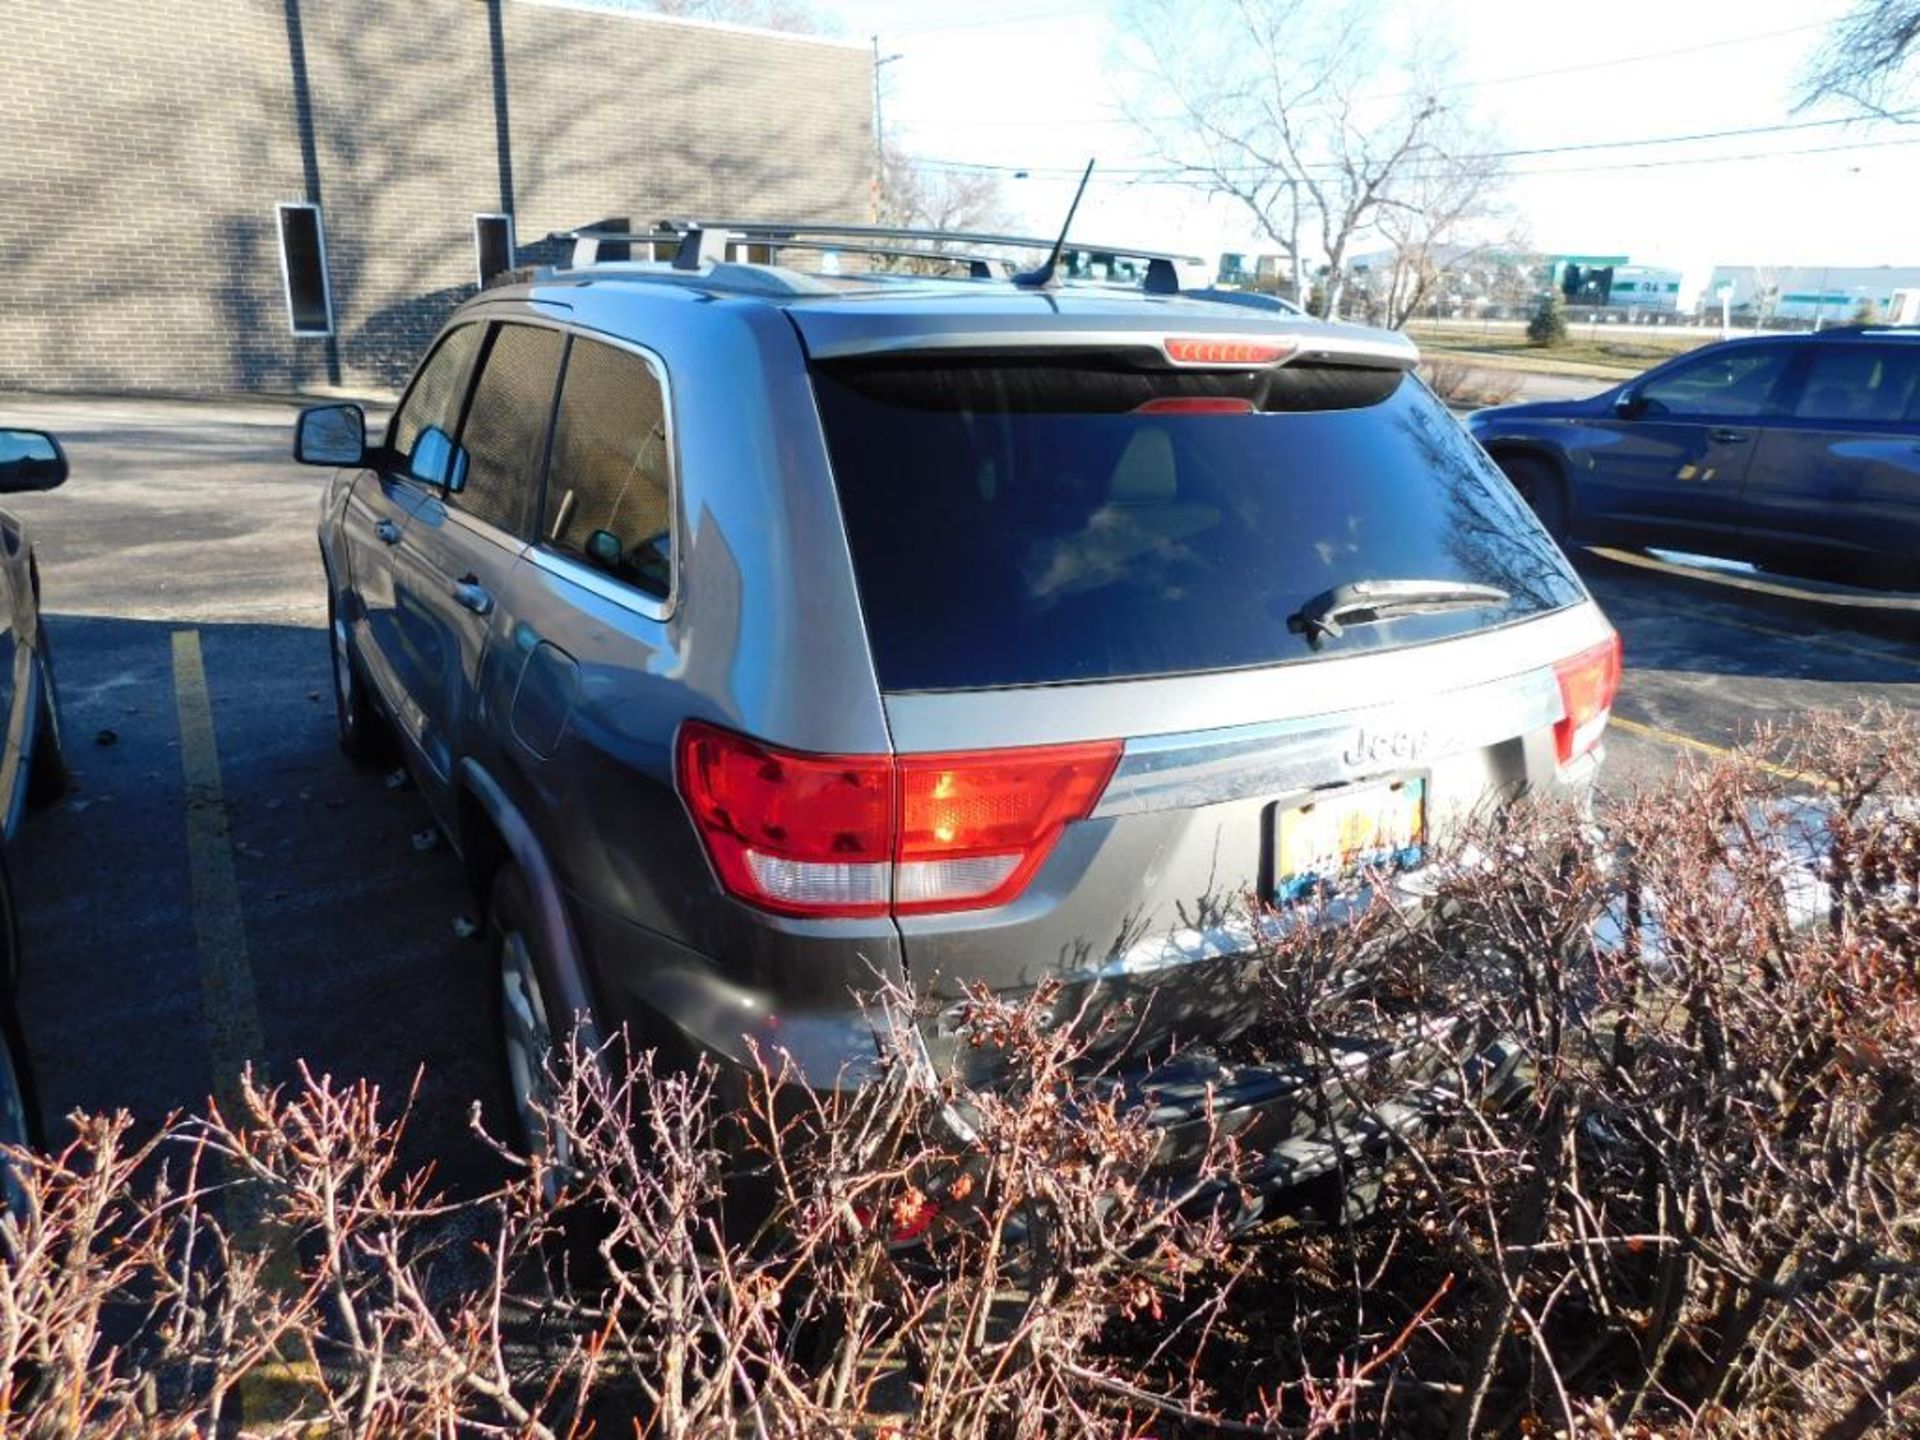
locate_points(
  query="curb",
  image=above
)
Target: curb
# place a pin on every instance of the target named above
(1875, 611)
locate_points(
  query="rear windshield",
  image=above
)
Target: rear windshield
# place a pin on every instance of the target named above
(1028, 522)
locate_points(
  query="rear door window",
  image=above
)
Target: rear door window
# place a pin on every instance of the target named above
(1026, 522)
(1855, 384)
(505, 435)
(610, 484)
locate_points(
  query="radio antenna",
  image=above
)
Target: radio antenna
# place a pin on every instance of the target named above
(1043, 277)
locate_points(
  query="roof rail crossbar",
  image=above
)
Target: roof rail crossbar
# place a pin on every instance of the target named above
(764, 230)
(708, 245)
(587, 242)
(705, 246)
(980, 267)
(699, 243)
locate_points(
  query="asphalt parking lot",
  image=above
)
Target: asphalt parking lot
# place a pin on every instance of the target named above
(221, 883)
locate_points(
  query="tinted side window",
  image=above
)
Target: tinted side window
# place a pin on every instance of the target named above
(1721, 382)
(433, 400)
(1860, 383)
(610, 485)
(505, 436)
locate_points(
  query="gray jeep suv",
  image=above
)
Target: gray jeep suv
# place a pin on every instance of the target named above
(759, 635)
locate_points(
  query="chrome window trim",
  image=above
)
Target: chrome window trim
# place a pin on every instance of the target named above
(597, 582)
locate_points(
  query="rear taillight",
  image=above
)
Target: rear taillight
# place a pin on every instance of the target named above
(975, 826)
(800, 834)
(852, 835)
(1588, 683)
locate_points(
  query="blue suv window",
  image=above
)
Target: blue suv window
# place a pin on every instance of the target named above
(1025, 522)
(1733, 382)
(1862, 384)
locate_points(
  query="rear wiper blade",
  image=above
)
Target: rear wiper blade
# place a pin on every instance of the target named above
(1362, 602)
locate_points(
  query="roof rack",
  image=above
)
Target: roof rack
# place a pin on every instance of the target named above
(704, 242)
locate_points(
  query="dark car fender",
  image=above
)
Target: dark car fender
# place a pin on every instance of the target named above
(1536, 447)
(479, 788)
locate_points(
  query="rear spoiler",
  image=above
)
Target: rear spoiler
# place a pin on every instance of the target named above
(1175, 345)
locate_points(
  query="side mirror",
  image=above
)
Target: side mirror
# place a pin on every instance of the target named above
(436, 460)
(604, 549)
(330, 435)
(1627, 404)
(30, 460)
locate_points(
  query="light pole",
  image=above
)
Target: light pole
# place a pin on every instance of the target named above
(879, 134)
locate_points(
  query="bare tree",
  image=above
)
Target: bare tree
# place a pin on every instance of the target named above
(1430, 219)
(1868, 61)
(1279, 107)
(922, 197)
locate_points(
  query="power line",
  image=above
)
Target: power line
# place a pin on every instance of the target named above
(1484, 82)
(1644, 57)
(1146, 172)
(1201, 182)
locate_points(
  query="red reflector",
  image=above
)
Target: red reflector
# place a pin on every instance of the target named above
(1195, 351)
(911, 1218)
(802, 834)
(1588, 683)
(1195, 405)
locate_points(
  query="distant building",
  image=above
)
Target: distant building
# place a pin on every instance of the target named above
(1645, 287)
(287, 194)
(1831, 294)
(1583, 279)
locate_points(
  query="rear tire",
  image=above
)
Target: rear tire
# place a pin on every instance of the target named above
(364, 734)
(1542, 488)
(523, 1011)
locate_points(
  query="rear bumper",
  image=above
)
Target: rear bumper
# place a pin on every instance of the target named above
(1291, 1126)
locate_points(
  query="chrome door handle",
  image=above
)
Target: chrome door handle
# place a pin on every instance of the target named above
(470, 593)
(388, 532)
(1728, 437)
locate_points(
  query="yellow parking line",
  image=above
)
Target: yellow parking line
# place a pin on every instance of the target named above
(1720, 752)
(234, 1035)
(227, 1002)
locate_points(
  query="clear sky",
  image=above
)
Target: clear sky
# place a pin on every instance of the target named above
(1034, 84)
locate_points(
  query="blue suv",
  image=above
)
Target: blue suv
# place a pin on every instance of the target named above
(1797, 452)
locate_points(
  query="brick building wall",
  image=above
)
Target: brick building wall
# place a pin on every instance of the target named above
(144, 145)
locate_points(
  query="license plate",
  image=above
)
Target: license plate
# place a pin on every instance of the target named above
(1371, 826)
